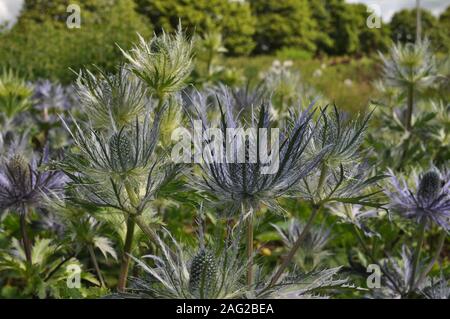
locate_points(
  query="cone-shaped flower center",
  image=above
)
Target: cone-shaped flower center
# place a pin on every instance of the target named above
(19, 169)
(429, 186)
(203, 272)
(121, 152)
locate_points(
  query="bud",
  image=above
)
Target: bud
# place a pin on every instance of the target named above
(429, 186)
(203, 272)
(121, 152)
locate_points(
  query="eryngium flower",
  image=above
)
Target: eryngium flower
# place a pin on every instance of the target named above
(23, 183)
(236, 182)
(203, 272)
(112, 100)
(164, 63)
(48, 95)
(343, 175)
(397, 283)
(438, 288)
(430, 200)
(170, 276)
(351, 184)
(343, 134)
(176, 274)
(106, 169)
(410, 64)
(15, 95)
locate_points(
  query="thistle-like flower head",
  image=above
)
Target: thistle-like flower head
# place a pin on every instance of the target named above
(23, 183)
(164, 63)
(118, 170)
(48, 95)
(219, 273)
(429, 200)
(343, 175)
(112, 100)
(15, 95)
(180, 272)
(343, 135)
(410, 64)
(237, 174)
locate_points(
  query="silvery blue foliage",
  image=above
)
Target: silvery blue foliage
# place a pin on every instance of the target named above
(344, 175)
(23, 182)
(355, 215)
(237, 182)
(49, 95)
(163, 63)
(410, 64)
(304, 285)
(112, 100)
(438, 288)
(106, 165)
(170, 277)
(244, 98)
(398, 273)
(429, 200)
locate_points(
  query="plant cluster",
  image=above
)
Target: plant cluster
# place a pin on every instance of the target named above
(95, 186)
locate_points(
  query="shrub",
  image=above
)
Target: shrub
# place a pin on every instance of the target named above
(40, 45)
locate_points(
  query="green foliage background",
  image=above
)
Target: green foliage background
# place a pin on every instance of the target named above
(41, 46)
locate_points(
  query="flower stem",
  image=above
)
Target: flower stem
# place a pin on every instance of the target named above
(296, 246)
(125, 264)
(25, 239)
(421, 235)
(146, 229)
(250, 251)
(436, 255)
(97, 268)
(322, 178)
(409, 110)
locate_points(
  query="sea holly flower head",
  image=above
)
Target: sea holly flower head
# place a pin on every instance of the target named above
(23, 182)
(164, 63)
(237, 173)
(112, 100)
(115, 170)
(410, 64)
(429, 200)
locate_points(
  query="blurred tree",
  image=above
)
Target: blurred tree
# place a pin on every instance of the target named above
(403, 25)
(345, 27)
(443, 30)
(232, 18)
(287, 23)
(322, 17)
(40, 45)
